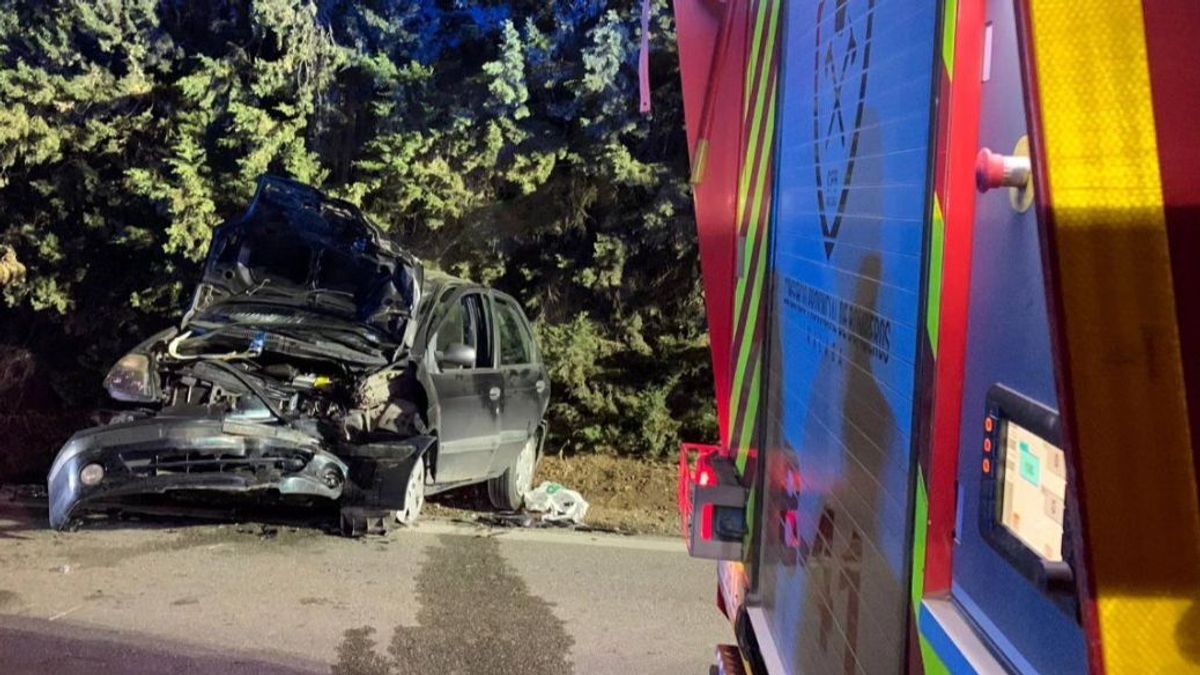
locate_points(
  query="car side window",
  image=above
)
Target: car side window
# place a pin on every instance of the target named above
(515, 348)
(465, 323)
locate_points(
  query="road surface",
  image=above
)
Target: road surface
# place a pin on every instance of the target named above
(438, 598)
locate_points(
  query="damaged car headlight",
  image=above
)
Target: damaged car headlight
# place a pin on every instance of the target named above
(133, 380)
(91, 475)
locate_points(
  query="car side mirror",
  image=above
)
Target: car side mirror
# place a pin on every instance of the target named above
(457, 354)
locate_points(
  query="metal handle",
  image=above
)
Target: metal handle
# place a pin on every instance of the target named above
(540, 386)
(494, 393)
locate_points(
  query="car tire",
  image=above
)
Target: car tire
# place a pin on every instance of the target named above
(507, 492)
(414, 494)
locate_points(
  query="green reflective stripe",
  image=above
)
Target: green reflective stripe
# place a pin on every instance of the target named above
(739, 379)
(770, 49)
(761, 159)
(748, 423)
(758, 155)
(743, 196)
(949, 26)
(739, 373)
(764, 153)
(920, 529)
(753, 148)
(755, 154)
(748, 340)
(759, 197)
(754, 276)
(749, 516)
(933, 298)
(930, 661)
(740, 292)
(758, 273)
(757, 42)
(761, 82)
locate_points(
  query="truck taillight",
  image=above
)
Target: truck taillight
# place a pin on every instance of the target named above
(706, 521)
(712, 503)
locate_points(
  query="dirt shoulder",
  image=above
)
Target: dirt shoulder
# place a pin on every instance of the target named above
(626, 495)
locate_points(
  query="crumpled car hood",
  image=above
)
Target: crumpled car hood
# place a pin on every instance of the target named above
(296, 246)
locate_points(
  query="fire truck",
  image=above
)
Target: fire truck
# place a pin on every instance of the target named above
(950, 253)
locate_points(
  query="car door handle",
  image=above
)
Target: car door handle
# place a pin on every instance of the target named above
(494, 393)
(540, 386)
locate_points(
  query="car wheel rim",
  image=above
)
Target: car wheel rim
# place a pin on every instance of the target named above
(525, 463)
(414, 493)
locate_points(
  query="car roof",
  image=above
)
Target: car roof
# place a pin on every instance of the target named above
(437, 282)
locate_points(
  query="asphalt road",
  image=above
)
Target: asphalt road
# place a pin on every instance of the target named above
(438, 598)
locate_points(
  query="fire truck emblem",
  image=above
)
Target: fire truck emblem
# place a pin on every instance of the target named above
(843, 50)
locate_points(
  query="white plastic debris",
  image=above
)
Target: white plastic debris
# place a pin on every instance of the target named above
(558, 503)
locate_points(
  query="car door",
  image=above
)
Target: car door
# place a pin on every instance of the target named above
(468, 397)
(526, 389)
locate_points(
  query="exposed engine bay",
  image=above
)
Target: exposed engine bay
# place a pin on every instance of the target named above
(317, 397)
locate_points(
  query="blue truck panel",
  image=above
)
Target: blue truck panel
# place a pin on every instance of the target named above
(849, 233)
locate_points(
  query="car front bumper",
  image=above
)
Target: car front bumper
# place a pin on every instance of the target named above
(163, 454)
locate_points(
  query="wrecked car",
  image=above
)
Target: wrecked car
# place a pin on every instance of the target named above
(317, 361)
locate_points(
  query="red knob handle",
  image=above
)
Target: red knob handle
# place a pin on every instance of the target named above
(993, 170)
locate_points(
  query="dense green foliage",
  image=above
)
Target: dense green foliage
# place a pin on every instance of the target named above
(498, 141)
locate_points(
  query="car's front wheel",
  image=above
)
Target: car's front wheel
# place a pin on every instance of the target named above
(507, 492)
(414, 494)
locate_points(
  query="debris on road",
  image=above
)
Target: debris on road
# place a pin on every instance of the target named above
(506, 519)
(557, 503)
(521, 519)
(263, 531)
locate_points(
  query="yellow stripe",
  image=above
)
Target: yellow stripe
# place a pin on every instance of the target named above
(756, 274)
(757, 42)
(760, 156)
(744, 440)
(752, 143)
(765, 100)
(754, 155)
(1121, 337)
